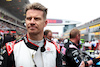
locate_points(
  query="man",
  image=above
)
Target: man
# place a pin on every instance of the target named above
(73, 56)
(48, 34)
(33, 50)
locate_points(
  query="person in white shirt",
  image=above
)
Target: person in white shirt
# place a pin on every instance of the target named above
(87, 45)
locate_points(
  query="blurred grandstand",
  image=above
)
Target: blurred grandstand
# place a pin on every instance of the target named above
(12, 16)
(89, 31)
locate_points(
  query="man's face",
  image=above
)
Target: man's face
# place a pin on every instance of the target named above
(49, 36)
(35, 22)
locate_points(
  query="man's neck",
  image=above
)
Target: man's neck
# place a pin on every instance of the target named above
(74, 41)
(35, 37)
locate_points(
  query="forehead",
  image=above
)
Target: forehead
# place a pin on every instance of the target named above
(34, 12)
(49, 33)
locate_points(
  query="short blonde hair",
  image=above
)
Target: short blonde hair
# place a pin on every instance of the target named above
(37, 6)
(74, 32)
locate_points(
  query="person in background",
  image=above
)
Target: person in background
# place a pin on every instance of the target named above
(1, 40)
(1, 43)
(86, 45)
(7, 38)
(60, 42)
(48, 34)
(93, 44)
(73, 56)
(33, 50)
(66, 40)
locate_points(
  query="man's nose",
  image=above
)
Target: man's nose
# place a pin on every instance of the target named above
(32, 24)
(32, 20)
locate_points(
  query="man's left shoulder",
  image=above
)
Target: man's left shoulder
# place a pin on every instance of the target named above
(56, 45)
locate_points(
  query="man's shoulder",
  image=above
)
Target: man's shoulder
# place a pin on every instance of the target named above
(54, 44)
(10, 45)
(69, 45)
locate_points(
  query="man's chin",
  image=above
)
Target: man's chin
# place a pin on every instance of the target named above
(32, 33)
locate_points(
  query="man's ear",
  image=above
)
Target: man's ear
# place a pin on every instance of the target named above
(77, 36)
(45, 23)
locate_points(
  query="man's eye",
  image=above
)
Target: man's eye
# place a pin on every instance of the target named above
(29, 18)
(37, 18)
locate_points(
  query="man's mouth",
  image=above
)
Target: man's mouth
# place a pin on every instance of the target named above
(32, 27)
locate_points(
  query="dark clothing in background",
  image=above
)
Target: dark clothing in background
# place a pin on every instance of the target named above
(1, 41)
(8, 38)
(72, 55)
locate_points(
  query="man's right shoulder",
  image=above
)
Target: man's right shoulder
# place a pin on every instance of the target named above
(10, 45)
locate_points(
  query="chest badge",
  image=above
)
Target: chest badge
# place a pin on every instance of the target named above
(48, 49)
